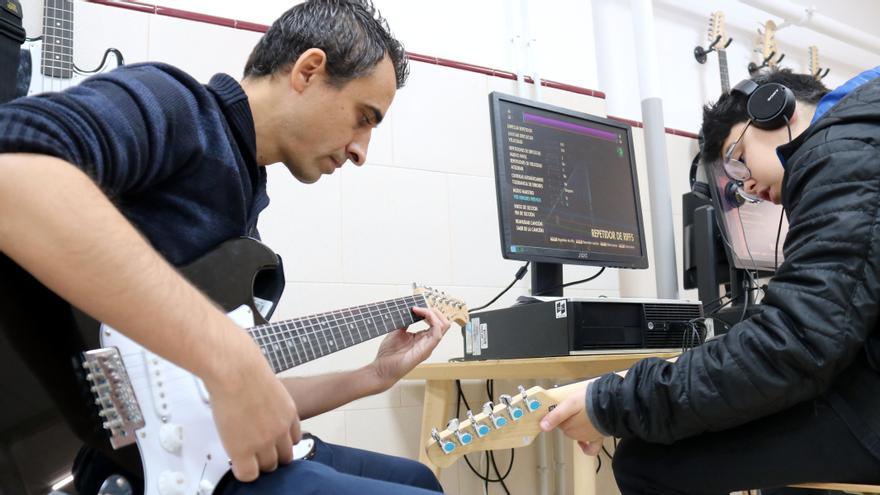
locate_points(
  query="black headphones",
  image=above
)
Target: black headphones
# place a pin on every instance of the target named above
(770, 105)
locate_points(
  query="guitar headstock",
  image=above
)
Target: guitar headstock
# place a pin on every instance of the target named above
(717, 36)
(454, 309)
(511, 424)
(815, 70)
(766, 45)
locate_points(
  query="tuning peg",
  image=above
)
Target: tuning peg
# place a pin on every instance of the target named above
(479, 428)
(445, 445)
(497, 421)
(531, 404)
(514, 412)
(464, 437)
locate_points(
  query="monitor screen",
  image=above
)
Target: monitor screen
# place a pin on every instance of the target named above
(750, 229)
(566, 185)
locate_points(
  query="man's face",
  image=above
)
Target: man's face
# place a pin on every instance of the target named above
(757, 149)
(333, 124)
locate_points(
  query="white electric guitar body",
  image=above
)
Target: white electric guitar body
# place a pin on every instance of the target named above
(166, 410)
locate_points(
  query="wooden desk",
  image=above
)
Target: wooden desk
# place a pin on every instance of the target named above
(440, 394)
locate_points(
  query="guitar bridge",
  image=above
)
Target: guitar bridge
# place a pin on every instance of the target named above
(114, 395)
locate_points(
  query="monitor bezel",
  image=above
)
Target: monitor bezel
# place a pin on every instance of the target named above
(602, 259)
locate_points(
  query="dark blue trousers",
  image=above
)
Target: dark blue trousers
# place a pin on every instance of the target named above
(342, 471)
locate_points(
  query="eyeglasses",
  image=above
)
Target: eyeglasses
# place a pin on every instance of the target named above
(736, 169)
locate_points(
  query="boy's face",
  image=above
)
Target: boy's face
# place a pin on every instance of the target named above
(757, 150)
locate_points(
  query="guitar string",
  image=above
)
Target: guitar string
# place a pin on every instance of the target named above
(172, 376)
(57, 48)
(175, 373)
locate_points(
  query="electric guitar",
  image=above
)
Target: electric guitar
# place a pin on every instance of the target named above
(47, 62)
(720, 38)
(140, 398)
(766, 48)
(815, 70)
(511, 424)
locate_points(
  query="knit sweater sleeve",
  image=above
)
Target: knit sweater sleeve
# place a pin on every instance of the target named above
(128, 129)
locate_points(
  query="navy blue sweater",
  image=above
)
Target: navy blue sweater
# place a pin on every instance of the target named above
(178, 158)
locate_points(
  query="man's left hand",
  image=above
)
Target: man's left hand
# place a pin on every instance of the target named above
(401, 351)
(571, 417)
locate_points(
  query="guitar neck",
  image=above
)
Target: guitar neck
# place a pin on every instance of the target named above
(57, 51)
(293, 342)
(725, 76)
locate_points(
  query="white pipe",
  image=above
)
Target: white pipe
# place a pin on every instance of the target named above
(663, 229)
(807, 17)
(528, 46)
(514, 25)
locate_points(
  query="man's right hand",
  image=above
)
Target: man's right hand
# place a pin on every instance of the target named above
(255, 415)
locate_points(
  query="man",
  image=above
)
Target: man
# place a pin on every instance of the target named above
(793, 393)
(147, 151)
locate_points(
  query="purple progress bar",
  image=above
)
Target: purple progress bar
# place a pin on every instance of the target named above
(537, 119)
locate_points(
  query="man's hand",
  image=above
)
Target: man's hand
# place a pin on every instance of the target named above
(401, 351)
(255, 416)
(571, 417)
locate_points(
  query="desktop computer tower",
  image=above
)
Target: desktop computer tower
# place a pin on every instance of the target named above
(570, 326)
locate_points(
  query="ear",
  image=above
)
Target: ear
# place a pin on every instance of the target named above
(312, 63)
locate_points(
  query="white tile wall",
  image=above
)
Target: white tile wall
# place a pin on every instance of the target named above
(97, 28)
(395, 226)
(442, 122)
(201, 49)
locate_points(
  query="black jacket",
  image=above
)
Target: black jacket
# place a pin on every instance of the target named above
(816, 334)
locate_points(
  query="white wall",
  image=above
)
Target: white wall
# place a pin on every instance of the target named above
(423, 209)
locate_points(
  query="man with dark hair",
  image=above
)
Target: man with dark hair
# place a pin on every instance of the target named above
(792, 394)
(105, 186)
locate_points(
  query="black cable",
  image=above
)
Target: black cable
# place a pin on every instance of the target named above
(486, 479)
(599, 464)
(569, 284)
(119, 61)
(490, 391)
(519, 275)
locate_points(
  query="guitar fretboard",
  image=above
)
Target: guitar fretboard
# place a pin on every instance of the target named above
(57, 53)
(725, 76)
(290, 343)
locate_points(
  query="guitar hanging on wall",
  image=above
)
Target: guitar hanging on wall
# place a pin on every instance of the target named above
(817, 72)
(718, 42)
(47, 62)
(766, 48)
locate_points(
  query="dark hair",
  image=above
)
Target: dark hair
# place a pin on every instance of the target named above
(730, 109)
(352, 33)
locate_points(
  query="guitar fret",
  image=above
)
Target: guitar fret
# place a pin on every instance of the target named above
(292, 342)
(339, 319)
(296, 341)
(285, 345)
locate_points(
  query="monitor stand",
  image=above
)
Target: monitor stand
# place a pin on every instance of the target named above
(546, 279)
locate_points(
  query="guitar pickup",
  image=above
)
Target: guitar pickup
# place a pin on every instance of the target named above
(114, 395)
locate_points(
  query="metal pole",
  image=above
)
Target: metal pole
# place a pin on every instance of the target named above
(655, 150)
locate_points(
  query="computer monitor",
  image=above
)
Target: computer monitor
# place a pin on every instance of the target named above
(567, 188)
(749, 228)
